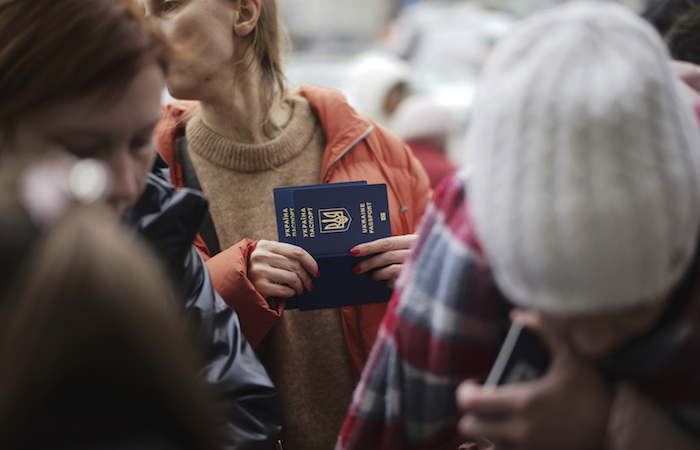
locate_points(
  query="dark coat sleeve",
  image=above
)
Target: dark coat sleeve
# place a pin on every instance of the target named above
(231, 365)
(168, 218)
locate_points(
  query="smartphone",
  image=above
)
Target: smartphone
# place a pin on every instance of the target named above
(523, 356)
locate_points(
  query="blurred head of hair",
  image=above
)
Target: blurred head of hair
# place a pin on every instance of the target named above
(52, 51)
(683, 38)
(269, 45)
(93, 346)
(662, 14)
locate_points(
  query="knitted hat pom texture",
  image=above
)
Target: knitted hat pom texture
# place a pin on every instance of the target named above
(584, 184)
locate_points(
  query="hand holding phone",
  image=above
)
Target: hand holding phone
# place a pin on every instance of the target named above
(566, 407)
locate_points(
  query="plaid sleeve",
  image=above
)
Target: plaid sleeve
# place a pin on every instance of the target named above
(445, 323)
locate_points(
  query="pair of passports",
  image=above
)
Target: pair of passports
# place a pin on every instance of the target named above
(328, 220)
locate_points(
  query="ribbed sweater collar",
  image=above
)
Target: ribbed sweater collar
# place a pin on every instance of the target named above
(239, 157)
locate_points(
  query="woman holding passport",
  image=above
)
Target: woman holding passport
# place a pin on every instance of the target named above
(246, 134)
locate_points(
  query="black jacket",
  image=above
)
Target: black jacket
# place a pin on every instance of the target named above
(168, 218)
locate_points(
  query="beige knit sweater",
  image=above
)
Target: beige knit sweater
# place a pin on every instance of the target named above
(305, 352)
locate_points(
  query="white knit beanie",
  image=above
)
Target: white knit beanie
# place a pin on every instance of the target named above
(371, 75)
(422, 118)
(585, 183)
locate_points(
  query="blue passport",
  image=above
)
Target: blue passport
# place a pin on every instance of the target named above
(284, 207)
(328, 220)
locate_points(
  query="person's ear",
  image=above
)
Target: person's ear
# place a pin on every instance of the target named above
(246, 17)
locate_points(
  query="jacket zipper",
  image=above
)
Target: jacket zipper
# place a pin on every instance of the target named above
(323, 179)
(357, 141)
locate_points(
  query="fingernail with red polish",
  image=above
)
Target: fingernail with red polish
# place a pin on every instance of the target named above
(354, 252)
(356, 269)
(312, 287)
(318, 273)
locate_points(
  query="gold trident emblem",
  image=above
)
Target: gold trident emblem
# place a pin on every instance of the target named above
(334, 220)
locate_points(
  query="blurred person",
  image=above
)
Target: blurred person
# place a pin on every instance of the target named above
(663, 14)
(377, 82)
(94, 351)
(426, 126)
(86, 76)
(247, 133)
(578, 217)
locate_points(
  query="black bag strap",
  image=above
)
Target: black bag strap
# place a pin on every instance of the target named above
(206, 229)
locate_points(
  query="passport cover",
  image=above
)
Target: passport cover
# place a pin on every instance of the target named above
(327, 220)
(284, 207)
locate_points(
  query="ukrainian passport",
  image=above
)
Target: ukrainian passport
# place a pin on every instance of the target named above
(328, 220)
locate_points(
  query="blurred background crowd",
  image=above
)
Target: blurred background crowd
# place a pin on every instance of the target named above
(440, 46)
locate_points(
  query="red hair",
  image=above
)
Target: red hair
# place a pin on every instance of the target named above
(54, 50)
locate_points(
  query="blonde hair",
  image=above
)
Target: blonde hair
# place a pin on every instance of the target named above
(268, 46)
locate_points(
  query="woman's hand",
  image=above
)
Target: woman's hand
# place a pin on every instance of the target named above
(281, 270)
(567, 408)
(389, 254)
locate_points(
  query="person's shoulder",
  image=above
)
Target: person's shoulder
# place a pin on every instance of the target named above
(177, 113)
(338, 119)
(320, 97)
(179, 107)
(173, 119)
